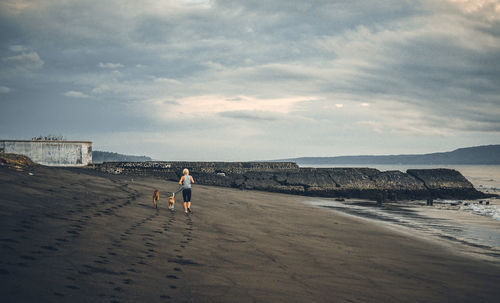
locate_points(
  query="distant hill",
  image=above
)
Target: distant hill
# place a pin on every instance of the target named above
(478, 155)
(103, 156)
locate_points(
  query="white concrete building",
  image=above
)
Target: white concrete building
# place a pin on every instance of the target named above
(51, 153)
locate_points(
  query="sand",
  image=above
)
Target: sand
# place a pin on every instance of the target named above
(72, 235)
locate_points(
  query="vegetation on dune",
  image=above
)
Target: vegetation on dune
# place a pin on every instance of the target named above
(16, 161)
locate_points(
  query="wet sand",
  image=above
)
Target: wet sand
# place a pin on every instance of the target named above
(73, 235)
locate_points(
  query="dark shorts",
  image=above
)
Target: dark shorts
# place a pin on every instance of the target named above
(186, 194)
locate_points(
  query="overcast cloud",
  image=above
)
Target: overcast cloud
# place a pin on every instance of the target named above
(247, 80)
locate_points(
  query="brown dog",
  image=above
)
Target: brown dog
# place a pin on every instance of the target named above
(156, 198)
(171, 202)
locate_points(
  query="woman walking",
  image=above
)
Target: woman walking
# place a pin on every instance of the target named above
(186, 182)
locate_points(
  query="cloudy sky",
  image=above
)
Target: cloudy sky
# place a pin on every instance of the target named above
(247, 80)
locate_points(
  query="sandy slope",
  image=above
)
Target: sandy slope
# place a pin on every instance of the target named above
(72, 235)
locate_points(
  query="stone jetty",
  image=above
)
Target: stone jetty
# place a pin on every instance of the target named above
(288, 177)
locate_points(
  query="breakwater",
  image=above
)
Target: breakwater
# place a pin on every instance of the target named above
(288, 177)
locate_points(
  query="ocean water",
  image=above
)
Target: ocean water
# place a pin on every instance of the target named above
(471, 224)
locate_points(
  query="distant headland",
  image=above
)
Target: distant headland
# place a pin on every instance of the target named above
(477, 155)
(104, 156)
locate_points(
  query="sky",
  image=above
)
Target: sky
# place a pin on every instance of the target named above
(252, 80)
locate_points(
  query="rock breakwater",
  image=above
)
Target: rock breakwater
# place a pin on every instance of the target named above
(288, 177)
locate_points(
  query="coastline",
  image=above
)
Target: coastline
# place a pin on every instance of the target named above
(445, 224)
(77, 235)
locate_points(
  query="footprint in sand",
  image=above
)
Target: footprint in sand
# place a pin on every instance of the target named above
(28, 258)
(20, 264)
(183, 262)
(48, 247)
(9, 240)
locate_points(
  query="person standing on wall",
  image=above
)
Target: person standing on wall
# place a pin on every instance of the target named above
(186, 182)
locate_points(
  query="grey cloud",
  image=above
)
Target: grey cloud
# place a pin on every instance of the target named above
(110, 65)
(28, 61)
(17, 48)
(4, 89)
(75, 94)
(249, 115)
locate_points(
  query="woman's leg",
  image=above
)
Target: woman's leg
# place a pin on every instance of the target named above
(185, 197)
(189, 200)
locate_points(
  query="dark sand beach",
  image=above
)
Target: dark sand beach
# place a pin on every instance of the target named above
(72, 235)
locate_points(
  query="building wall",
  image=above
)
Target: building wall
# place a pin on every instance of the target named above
(51, 153)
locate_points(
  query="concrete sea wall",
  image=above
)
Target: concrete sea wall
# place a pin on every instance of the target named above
(51, 153)
(287, 177)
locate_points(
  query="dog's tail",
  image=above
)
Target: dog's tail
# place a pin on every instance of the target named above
(176, 192)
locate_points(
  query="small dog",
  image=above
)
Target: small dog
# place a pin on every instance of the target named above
(156, 198)
(171, 201)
